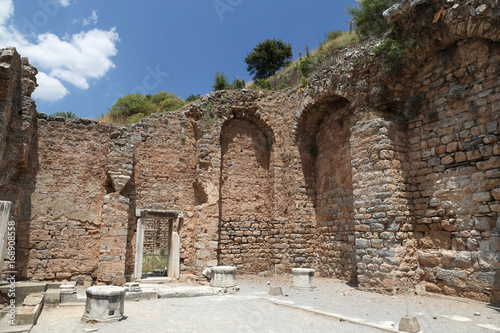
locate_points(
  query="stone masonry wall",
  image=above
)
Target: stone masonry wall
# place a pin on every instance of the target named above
(370, 176)
(455, 159)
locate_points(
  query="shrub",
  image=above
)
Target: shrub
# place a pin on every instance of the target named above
(368, 17)
(133, 107)
(220, 82)
(262, 84)
(306, 65)
(334, 34)
(63, 114)
(192, 98)
(238, 84)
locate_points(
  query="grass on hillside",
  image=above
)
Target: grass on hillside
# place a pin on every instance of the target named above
(326, 48)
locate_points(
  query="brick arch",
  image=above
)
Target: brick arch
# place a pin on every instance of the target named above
(312, 111)
(246, 193)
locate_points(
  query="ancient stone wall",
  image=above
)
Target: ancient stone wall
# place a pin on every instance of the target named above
(79, 217)
(373, 176)
(454, 179)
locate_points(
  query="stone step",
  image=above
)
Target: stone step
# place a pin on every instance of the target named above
(28, 313)
(23, 289)
(5, 327)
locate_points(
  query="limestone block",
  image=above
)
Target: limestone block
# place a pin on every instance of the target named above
(482, 223)
(223, 276)
(303, 278)
(105, 304)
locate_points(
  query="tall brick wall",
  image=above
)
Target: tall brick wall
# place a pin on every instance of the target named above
(374, 177)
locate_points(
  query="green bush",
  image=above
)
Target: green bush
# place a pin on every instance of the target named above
(136, 118)
(238, 84)
(306, 65)
(334, 34)
(192, 98)
(63, 114)
(369, 19)
(264, 84)
(133, 107)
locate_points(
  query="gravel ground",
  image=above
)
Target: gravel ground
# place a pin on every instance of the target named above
(331, 307)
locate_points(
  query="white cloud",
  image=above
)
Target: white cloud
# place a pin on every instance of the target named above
(6, 10)
(64, 3)
(49, 89)
(75, 59)
(92, 19)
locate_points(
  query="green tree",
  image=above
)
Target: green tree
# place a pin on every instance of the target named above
(368, 17)
(63, 114)
(220, 82)
(267, 58)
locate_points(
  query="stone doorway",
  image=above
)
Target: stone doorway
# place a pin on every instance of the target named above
(158, 235)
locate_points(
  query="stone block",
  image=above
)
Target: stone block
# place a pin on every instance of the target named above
(496, 193)
(223, 276)
(429, 258)
(409, 324)
(52, 297)
(482, 196)
(275, 291)
(303, 278)
(482, 223)
(495, 243)
(361, 243)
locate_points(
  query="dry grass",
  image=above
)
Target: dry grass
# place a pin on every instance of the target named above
(324, 49)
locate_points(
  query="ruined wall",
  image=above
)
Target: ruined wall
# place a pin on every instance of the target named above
(17, 129)
(164, 173)
(367, 175)
(454, 153)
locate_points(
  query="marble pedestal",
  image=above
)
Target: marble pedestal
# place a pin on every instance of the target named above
(104, 304)
(303, 278)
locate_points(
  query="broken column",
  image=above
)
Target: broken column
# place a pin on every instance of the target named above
(303, 278)
(104, 304)
(223, 276)
(68, 292)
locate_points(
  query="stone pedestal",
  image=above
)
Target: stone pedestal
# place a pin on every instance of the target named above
(303, 278)
(104, 304)
(68, 292)
(223, 276)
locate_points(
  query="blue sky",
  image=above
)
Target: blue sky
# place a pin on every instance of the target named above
(91, 52)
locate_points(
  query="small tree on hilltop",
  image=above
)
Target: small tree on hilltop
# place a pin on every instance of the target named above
(221, 82)
(267, 58)
(368, 17)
